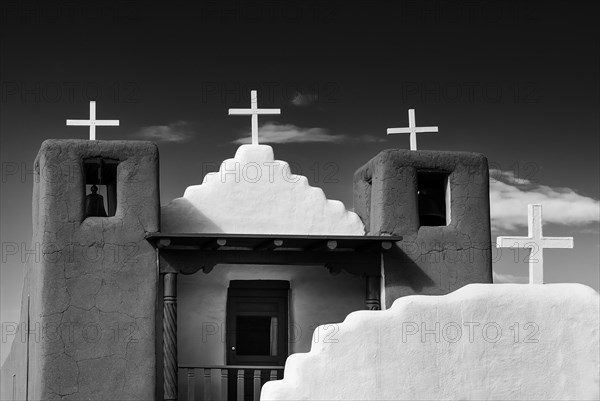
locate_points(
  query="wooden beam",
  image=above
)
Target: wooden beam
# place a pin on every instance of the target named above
(387, 245)
(255, 241)
(269, 245)
(215, 243)
(321, 245)
(163, 243)
(190, 262)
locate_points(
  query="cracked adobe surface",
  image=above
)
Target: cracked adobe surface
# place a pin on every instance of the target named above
(92, 289)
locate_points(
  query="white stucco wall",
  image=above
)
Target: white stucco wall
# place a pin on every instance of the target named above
(516, 342)
(255, 194)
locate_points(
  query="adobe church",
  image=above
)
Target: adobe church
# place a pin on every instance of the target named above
(207, 296)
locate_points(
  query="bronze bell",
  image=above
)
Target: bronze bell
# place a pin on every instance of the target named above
(94, 204)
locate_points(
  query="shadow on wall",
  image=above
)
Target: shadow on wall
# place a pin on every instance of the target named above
(406, 272)
(180, 215)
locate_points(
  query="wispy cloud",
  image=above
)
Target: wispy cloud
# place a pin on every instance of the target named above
(179, 131)
(367, 138)
(304, 99)
(273, 132)
(509, 197)
(508, 177)
(500, 278)
(289, 133)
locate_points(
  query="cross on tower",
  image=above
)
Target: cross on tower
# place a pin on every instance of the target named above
(92, 122)
(412, 129)
(536, 242)
(253, 111)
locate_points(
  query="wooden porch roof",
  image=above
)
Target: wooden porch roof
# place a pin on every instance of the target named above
(274, 242)
(187, 253)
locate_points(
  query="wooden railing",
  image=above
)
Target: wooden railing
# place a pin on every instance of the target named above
(208, 389)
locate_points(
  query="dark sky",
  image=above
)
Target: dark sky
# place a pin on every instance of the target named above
(498, 77)
(517, 81)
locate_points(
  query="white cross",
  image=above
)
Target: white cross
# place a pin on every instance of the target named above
(536, 242)
(253, 111)
(412, 129)
(92, 122)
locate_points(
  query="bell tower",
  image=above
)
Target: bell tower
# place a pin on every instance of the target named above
(89, 299)
(439, 203)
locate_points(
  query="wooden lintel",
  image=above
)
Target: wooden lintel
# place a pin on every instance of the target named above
(190, 262)
(269, 244)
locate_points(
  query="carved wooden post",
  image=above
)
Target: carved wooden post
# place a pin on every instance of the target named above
(372, 298)
(170, 336)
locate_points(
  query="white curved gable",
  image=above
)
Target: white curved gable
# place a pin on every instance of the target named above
(255, 194)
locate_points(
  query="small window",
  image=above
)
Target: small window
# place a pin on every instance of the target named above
(257, 328)
(433, 192)
(100, 187)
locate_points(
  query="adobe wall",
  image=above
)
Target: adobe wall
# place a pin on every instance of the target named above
(13, 380)
(93, 292)
(429, 260)
(482, 342)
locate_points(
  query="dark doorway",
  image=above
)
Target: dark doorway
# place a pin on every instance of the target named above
(257, 329)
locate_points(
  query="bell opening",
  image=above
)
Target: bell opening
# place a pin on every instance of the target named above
(100, 187)
(434, 198)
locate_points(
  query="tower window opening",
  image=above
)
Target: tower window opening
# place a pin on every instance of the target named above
(433, 193)
(100, 187)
